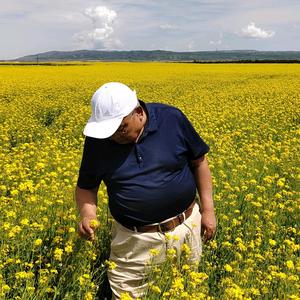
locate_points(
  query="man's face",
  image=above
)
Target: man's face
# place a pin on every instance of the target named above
(129, 129)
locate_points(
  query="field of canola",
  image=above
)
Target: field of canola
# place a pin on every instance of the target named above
(248, 114)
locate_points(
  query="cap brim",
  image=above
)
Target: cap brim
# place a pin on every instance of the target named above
(103, 129)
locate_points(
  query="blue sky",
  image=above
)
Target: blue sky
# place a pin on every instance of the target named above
(35, 26)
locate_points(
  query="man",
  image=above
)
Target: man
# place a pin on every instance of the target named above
(152, 161)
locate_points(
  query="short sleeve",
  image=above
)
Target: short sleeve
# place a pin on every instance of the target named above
(90, 175)
(196, 147)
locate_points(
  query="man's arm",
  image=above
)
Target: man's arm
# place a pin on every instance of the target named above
(204, 186)
(87, 205)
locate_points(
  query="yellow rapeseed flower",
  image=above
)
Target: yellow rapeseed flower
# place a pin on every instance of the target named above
(125, 296)
(171, 252)
(69, 249)
(185, 267)
(155, 289)
(290, 264)
(177, 284)
(111, 264)
(38, 242)
(175, 237)
(94, 223)
(154, 252)
(83, 279)
(88, 296)
(71, 229)
(58, 254)
(185, 249)
(24, 275)
(228, 268)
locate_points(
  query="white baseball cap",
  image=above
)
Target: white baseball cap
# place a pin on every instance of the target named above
(110, 104)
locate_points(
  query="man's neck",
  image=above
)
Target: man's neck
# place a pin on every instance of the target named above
(144, 121)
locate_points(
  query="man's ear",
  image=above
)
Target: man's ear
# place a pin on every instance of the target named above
(139, 110)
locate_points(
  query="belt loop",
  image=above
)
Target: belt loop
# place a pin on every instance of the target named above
(159, 228)
(180, 216)
(135, 229)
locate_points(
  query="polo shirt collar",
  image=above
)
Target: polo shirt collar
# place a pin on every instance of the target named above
(151, 124)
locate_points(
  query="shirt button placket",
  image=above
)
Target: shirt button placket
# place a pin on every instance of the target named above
(139, 156)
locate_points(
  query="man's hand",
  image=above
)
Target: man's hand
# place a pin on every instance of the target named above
(208, 224)
(87, 227)
(87, 204)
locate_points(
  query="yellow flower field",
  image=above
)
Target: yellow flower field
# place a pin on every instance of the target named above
(247, 113)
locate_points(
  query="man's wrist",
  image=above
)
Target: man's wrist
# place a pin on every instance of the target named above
(207, 210)
(207, 206)
(90, 215)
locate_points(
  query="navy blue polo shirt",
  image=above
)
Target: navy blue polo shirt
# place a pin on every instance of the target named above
(151, 180)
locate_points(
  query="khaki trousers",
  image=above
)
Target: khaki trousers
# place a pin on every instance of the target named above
(131, 252)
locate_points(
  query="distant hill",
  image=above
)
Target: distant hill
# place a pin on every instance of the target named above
(161, 55)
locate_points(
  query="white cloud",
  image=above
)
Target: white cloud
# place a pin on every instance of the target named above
(252, 31)
(101, 15)
(168, 26)
(101, 37)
